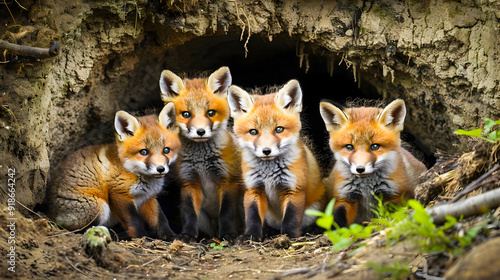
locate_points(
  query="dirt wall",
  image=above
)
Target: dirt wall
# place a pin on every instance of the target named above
(441, 57)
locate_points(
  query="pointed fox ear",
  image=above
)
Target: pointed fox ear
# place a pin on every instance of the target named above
(333, 117)
(220, 80)
(126, 125)
(170, 85)
(393, 114)
(290, 97)
(167, 116)
(240, 102)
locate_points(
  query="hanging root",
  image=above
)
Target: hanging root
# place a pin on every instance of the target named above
(299, 52)
(330, 64)
(244, 25)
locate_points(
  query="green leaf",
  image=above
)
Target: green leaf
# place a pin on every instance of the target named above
(489, 124)
(330, 234)
(329, 207)
(415, 205)
(474, 132)
(495, 135)
(342, 244)
(313, 212)
(325, 222)
(488, 132)
(366, 232)
(354, 228)
(450, 221)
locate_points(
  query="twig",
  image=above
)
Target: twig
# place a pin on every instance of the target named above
(151, 261)
(7, 6)
(76, 268)
(243, 271)
(20, 5)
(24, 206)
(468, 207)
(27, 50)
(76, 230)
(291, 272)
(185, 263)
(303, 243)
(427, 276)
(476, 184)
(316, 271)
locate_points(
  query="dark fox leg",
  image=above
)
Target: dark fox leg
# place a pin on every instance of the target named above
(191, 205)
(156, 220)
(255, 202)
(293, 212)
(227, 226)
(345, 212)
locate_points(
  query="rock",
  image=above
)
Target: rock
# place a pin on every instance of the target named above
(282, 242)
(481, 262)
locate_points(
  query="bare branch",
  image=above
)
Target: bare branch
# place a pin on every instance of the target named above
(468, 207)
(27, 50)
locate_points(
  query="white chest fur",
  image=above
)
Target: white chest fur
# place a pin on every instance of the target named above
(144, 190)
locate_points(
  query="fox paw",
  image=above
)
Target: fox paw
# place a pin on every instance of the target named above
(167, 237)
(244, 238)
(230, 237)
(186, 238)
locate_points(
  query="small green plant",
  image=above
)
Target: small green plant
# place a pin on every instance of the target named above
(341, 237)
(396, 272)
(418, 226)
(217, 246)
(410, 221)
(489, 131)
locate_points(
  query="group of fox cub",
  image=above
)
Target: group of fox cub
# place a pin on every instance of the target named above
(258, 172)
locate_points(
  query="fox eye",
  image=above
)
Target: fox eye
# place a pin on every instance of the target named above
(279, 129)
(253, 132)
(186, 114)
(211, 113)
(143, 152)
(374, 147)
(166, 150)
(349, 147)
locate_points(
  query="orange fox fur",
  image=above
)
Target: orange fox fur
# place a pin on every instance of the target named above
(210, 167)
(369, 159)
(281, 174)
(118, 182)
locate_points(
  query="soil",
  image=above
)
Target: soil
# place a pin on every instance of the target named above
(441, 57)
(44, 251)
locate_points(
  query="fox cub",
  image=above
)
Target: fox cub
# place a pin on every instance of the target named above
(118, 182)
(210, 166)
(369, 159)
(281, 174)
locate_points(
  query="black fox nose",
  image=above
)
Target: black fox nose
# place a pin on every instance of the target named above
(160, 169)
(360, 169)
(266, 151)
(200, 132)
